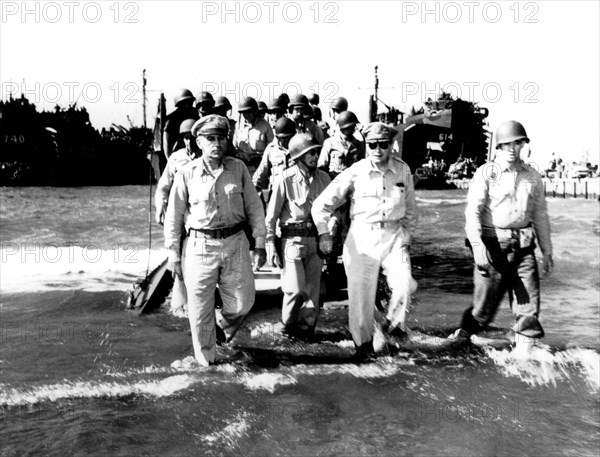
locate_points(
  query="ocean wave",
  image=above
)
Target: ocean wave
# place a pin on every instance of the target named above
(539, 365)
(37, 268)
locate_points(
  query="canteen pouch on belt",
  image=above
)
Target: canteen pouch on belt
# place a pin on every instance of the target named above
(526, 237)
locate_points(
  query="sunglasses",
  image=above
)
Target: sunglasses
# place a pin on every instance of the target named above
(381, 144)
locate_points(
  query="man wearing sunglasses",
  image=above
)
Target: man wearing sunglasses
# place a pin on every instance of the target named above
(506, 212)
(383, 217)
(291, 203)
(211, 200)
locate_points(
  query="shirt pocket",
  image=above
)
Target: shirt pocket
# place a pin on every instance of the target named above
(398, 194)
(235, 197)
(366, 198)
(498, 192)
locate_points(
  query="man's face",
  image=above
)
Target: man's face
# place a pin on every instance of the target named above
(297, 113)
(510, 152)
(348, 132)
(274, 116)
(249, 116)
(311, 158)
(204, 109)
(284, 141)
(213, 146)
(379, 151)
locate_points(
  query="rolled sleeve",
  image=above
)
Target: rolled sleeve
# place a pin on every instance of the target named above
(541, 220)
(476, 200)
(334, 195)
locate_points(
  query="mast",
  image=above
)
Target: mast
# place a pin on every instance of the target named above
(144, 96)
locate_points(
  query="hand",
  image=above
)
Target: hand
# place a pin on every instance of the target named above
(175, 268)
(326, 243)
(480, 253)
(274, 259)
(260, 258)
(548, 265)
(160, 215)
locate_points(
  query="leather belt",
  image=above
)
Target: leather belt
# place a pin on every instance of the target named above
(495, 232)
(219, 233)
(301, 229)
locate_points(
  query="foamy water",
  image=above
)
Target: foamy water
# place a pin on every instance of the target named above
(38, 268)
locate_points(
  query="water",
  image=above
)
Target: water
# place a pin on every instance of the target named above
(82, 375)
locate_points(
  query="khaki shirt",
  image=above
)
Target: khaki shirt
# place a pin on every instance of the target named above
(204, 200)
(338, 153)
(272, 164)
(508, 198)
(293, 197)
(251, 140)
(176, 162)
(375, 196)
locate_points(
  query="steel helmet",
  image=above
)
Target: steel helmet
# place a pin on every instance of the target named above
(314, 99)
(248, 104)
(262, 107)
(347, 119)
(510, 131)
(223, 102)
(184, 94)
(301, 143)
(339, 104)
(285, 97)
(285, 127)
(186, 126)
(205, 98)
(277, 105)
(299, 100)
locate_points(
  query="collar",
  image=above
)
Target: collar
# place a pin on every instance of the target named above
(205, 169)
(505, 166)
(390, 166)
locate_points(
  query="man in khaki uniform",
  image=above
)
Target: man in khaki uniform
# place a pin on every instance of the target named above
(211, 200)
(506, 212)
(383, 217)
(291, 203)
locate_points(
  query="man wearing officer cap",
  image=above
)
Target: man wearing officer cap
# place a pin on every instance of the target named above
(291, 204)
(211, 200)
(505, 214)
(383, 218)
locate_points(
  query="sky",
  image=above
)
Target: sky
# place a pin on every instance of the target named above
(535, 62)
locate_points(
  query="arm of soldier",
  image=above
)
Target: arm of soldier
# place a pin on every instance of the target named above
(334, 195)
(541, 223)
(255, 215)
(260, 179)
(476, 200)
(273, 214)
(174, 223)
(163, 188)
(323, 162)
(409, 221)
(269, 133)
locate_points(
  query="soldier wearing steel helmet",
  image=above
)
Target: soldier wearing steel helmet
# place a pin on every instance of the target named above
(276, 109)
(252, 134)
(290, 204)
(275, 157)
(205, 104)
(343, 149)
(298, 108)
(383, 218)
(176, 162)
(211, 201)
(184, 109)
(223, 108)
(506, 215)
